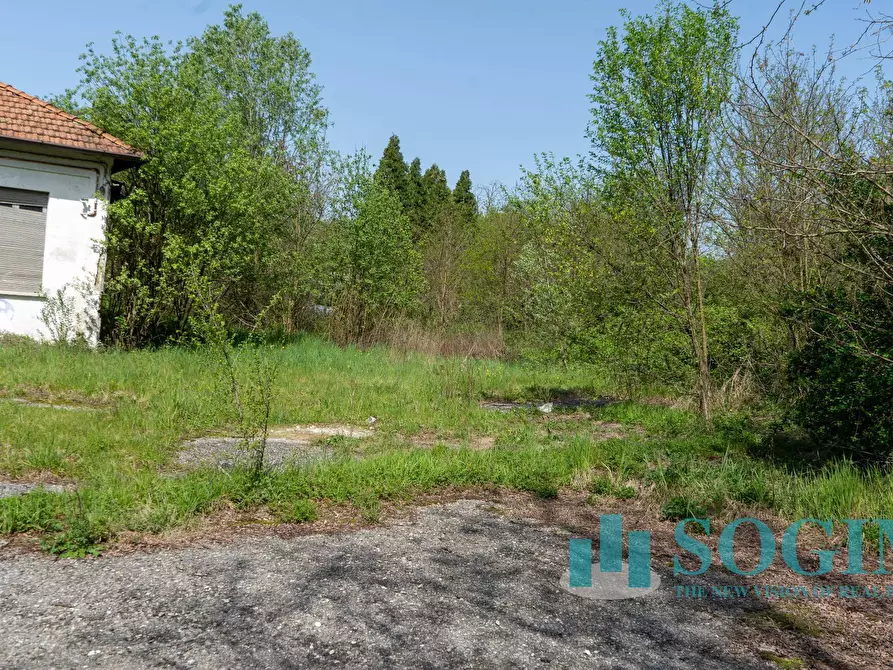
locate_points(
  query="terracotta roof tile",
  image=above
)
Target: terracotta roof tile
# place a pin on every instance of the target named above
(26, 118)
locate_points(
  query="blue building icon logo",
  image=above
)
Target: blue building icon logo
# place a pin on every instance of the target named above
(610, 578)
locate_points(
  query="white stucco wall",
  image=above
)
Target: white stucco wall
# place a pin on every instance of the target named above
(75, 225)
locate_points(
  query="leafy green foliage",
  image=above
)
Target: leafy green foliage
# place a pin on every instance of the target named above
(380, 267)
(441, 224)
(299, 511)
(437, 196)
(269, 83)
(415, 199)
(658, 94)
(392, 172)
(367, 501)
(491, 292)
(844, 375)
(222, 121)
(248, 384)
(602, 486)
(466, 203)
(680, 508)
(80, 537)
(120, 456)
(676, 230)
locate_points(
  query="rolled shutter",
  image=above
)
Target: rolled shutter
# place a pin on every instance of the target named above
(22, 238)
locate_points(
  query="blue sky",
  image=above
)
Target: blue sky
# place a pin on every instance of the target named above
(469, 84)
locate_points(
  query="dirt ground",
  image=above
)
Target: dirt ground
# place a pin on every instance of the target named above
(458, 584)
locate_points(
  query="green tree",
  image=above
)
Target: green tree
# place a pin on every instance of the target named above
(438, 198)
(490, 265)
(214, 198)
(416, 198)
(443, 242)
(808, 191)
(564, 263)
(392, 172)
(657, 99)
(466, 203)
(268, 81)
(381, 269)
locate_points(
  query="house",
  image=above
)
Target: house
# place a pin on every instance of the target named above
(55, 180)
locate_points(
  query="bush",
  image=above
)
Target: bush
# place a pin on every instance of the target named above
(844, 377)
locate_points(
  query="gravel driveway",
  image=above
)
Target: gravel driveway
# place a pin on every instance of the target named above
(456, 587)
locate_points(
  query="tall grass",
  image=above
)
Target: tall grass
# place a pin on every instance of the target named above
(139, 406)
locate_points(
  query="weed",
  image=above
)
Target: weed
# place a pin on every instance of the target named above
(601, 486)
(459, 378)
(300, 511)
(605, 486)
(252, 389)
(754, 491)
(625, 492)
(80, 539)
(544, 490)
(662, 475)
(677, 509)
(157, 398)
(783, 662)
(369, 505)
(792, 621)
(63, 321)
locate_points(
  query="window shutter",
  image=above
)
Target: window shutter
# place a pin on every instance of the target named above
(22, 239)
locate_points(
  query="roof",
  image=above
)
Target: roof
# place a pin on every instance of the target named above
(28, 119)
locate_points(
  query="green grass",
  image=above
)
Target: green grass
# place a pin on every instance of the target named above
(146, 402)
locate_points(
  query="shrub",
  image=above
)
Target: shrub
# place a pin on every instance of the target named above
(844, 377)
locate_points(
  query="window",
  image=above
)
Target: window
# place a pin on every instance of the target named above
(23, 223)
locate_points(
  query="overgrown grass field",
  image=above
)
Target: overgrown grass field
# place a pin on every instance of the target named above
(134, 409)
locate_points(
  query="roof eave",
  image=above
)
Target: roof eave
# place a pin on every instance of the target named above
(121, 160)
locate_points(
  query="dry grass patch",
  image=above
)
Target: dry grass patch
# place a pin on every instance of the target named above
(431, 439)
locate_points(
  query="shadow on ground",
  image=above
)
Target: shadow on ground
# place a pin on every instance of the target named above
(457, 587)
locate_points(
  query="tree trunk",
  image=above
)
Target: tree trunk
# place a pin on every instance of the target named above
(693, 301)
(704, 353)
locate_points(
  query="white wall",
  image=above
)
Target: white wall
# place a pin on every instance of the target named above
(75, 224)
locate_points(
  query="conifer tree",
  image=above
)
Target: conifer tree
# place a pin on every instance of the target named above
(392, 172)
(466, 203)
(438, 197)
(415, 201)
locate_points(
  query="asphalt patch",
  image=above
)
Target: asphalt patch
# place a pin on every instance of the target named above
(455, 587)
